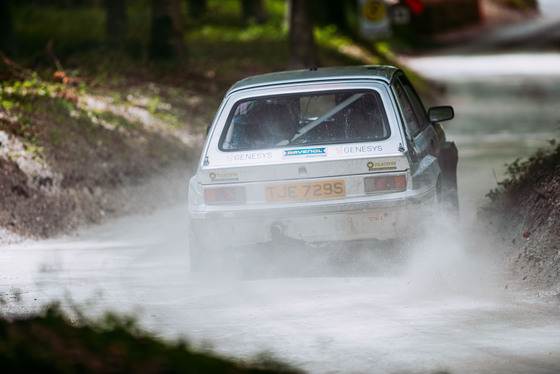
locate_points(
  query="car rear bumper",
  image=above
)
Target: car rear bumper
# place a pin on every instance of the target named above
(380, 219)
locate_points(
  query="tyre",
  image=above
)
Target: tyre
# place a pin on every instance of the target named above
(448, 160)
(198, 256)
(210, 259)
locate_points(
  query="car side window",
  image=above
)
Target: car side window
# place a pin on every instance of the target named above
(411, 122)
(413, 111)
(417, 104)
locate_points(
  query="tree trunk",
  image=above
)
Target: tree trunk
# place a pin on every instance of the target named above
(303, 53)
(253, 11)
(8, 42)
(115, 21)
(166, 37)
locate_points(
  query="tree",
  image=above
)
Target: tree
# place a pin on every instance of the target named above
(8, 42)
(303, 53)
(115, 21)
(253, 11)
(166, 36)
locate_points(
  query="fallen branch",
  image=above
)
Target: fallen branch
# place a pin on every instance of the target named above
(11, 70)
(50, 52)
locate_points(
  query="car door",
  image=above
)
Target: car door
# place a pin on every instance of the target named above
(421, 135)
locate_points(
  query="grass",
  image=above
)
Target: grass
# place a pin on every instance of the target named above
(527, 173)
(50, 343)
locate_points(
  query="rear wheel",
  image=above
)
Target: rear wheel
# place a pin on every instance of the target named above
(198, 255)
(210, 259)
(448, 160)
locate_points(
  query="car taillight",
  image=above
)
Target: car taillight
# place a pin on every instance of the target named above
(385, 183)
(221, 195)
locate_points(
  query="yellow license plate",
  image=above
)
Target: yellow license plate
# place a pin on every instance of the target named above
(305, 191)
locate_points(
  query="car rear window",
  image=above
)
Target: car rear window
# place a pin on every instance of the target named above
(307, 119)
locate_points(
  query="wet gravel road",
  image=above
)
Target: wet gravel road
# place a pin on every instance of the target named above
(447, 311)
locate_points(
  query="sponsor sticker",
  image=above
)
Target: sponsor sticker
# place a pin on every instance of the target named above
(307, 152)
(249, 156)
(382, 166)
(359, 149)
(223, 177)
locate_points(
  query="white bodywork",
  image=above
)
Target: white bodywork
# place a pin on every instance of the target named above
(345, 207)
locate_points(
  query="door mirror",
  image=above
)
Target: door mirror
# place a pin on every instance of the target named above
(441, 113)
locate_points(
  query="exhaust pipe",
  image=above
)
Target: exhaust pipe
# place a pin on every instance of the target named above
(277, 231)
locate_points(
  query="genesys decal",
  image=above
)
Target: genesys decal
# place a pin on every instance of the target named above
(307, 152)
(358, 149)
(249, 156)
(223, 177)
(382, 166)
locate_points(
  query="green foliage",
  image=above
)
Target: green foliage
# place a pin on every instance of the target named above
(520, 4)
(218, 41)
(7, 104)
(45, 114)
(226, 45)
(112, 120)
(18, 99)
(522, 172)
(56, 136)
(32, 86)
(153, 104)
(70, 29)
(34, 150)
(49, 343)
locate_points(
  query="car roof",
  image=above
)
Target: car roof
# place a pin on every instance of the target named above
(378, 72)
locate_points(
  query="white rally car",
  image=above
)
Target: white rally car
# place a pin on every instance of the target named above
(319, 155)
